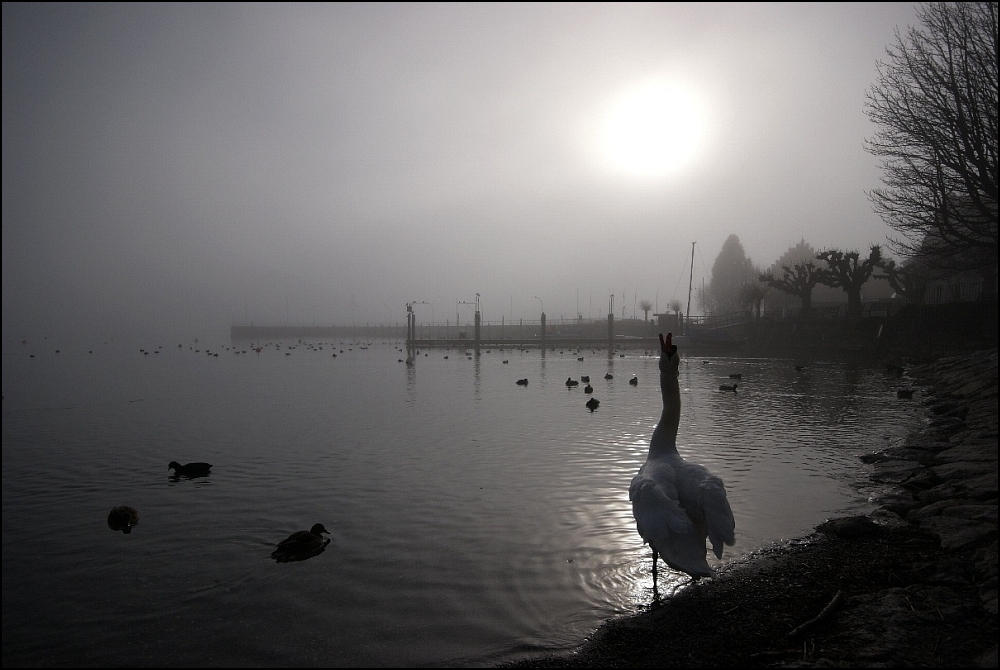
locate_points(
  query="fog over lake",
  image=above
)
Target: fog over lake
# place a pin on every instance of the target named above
(169, 170)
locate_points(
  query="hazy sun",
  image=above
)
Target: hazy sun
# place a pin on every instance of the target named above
(653, 130)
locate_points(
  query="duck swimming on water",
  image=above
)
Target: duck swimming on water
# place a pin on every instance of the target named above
(123, 518)
(189, 469)
(301, 545)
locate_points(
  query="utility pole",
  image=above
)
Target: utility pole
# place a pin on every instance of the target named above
(690, 284)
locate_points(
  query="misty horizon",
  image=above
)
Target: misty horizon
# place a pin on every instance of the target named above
(170, 170)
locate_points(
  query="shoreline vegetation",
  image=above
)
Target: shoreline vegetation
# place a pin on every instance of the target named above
(914, 584)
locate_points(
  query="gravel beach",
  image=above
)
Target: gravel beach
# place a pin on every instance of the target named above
(913, 584)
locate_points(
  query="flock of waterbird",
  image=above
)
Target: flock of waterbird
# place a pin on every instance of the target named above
(677, 505)
(298, 546)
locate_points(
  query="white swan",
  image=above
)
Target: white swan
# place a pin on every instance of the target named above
(677, 504)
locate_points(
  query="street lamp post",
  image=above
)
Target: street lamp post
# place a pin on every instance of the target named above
(542, 321)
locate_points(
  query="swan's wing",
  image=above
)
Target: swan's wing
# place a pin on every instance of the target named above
(718, 515)
(657, 512)
(665, 525)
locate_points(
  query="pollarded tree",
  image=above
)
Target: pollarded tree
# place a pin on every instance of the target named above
(753, 295)
(847, 270)
(645, 306)
(798, 280)
(909, 279)
(936, 107)
(801, 253)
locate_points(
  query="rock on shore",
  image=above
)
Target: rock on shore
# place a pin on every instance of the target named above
(912, 585)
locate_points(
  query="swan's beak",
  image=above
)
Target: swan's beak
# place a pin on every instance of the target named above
(667, 345)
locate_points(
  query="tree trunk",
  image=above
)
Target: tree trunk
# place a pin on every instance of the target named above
(807, 303)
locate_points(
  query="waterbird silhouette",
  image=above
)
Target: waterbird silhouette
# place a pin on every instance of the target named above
(593, 403)
(301, 545)
(123, 518)
(678, 504)
(190, 469)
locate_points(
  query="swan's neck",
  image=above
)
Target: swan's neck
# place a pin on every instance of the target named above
(664, 440)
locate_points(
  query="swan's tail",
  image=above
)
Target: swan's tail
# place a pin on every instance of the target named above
(668, 529)
(718, 515)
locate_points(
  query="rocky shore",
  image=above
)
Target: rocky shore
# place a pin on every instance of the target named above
(914, 584)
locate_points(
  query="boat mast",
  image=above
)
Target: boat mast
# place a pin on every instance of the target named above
(690, 282)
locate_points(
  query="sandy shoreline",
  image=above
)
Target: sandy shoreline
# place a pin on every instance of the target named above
(912, 585)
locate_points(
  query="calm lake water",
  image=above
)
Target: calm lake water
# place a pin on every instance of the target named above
(474, 521)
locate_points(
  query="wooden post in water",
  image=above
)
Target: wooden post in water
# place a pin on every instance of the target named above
(409, 326)
(478, 322)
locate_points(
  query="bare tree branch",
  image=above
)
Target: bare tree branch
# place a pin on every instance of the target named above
(936, 107)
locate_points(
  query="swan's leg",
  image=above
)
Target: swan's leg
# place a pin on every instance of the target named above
(656, 592)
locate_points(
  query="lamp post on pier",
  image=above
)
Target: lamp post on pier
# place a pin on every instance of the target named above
(542, 320)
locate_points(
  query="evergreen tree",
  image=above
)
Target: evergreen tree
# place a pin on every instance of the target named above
(731, 272)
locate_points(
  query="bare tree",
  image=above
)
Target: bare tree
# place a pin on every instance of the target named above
(798, 280)
(847, 270)
(676, 305)
(936, 107)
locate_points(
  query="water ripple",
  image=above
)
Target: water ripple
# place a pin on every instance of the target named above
(473, 520)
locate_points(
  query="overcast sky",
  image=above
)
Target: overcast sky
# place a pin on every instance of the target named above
(175, 168)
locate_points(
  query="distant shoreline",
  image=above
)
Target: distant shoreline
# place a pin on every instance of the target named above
(918, 334)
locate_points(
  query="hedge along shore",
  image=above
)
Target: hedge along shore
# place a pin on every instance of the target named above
(914, 584)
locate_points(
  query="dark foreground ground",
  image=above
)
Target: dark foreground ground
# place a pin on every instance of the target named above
(912, 585)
